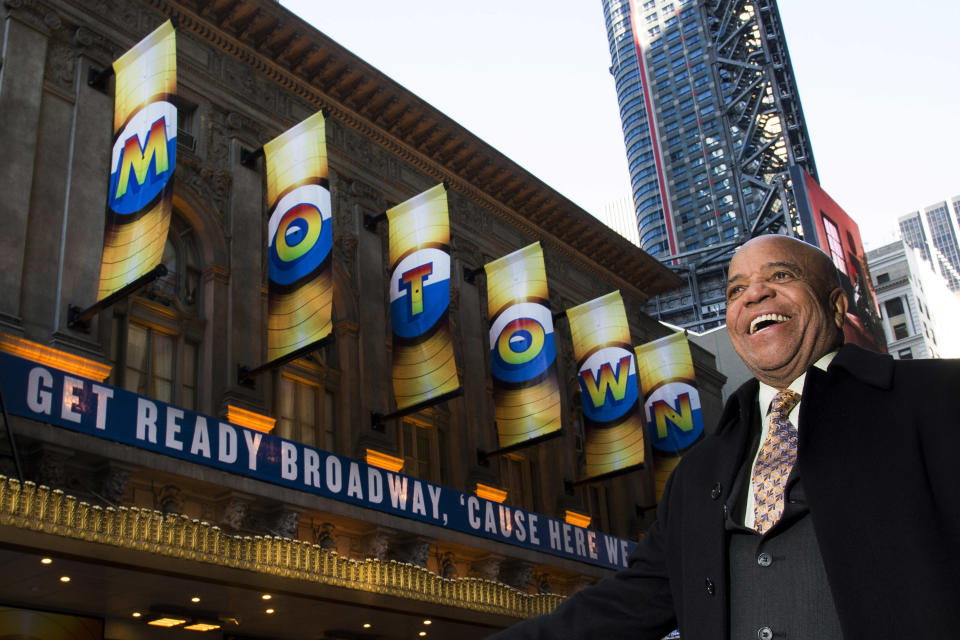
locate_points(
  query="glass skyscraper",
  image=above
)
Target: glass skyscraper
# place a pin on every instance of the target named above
(711, 124)
(936, 233)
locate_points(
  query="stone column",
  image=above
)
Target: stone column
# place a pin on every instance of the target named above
(21, 89)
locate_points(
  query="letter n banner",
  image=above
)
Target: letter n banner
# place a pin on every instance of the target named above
(140, 194)
(300, 238)
(424, 367)
(609, 393)
(671, 401)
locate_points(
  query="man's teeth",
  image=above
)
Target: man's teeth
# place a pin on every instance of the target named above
(766, 320)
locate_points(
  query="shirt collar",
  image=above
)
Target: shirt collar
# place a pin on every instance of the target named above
(766, 394)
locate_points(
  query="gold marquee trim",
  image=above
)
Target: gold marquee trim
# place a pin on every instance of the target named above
(39, 508)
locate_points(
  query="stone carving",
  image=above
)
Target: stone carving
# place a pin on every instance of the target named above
(284, 523)
(542, 580)
(347, 244)
(234, 120)
(50, 466)
(377, 544)
(487, 567)
(323, 536)
(516, 574)
(235, 513)
(213, 185)
(448, 566)
(61, 66)
(415, 550)
(170, 499)
(113, 482)
(366, 194)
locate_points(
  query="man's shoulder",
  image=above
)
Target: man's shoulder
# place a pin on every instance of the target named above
(881, 370)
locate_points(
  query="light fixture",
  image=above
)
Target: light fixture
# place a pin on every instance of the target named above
(195, 599)
(64, 578)
(166, 621)
(136, 614)
(428, 622)
(46, 560)
(422, 633)
(63, 360)
(493, 494)
(250, 419)
(266, 596)
(202, 626)
(384, 460)
(577, 519)
(367, 625)
(269, 611)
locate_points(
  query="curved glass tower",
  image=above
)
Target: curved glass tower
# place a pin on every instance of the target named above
(711, 123)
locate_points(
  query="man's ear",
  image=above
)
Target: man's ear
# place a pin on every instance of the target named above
(838, 305)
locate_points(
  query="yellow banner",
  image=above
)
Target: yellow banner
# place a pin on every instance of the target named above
(523, 350)
(671, 400)
(140, 195)
(423, 362)
(609, 394)
(300, 238)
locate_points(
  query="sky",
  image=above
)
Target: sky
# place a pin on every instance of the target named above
(879, 82)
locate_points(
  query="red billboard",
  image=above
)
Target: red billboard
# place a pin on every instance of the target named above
(826, 225)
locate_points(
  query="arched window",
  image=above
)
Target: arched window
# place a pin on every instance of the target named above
(156, 334)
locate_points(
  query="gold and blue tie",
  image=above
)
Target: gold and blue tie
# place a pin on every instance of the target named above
(774, 462)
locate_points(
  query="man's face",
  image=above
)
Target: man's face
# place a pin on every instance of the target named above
(784, 308)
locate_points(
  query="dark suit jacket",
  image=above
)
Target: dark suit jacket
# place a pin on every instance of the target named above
(878, 454)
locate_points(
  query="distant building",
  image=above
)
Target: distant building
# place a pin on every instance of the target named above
(920, 314)
(712, 123)
(619, 216)
(936, 233)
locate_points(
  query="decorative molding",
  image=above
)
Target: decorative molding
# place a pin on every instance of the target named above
(574, 233)
(30, 507)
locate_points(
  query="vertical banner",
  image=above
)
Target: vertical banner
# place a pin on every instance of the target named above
(671, 402)
(523, 349)
(140, 195)
(423, 362)
(299, 239)
(607, 370)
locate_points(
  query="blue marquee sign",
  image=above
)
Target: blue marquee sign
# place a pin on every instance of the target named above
(48, 395)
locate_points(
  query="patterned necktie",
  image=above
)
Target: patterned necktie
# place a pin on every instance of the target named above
(774, 462)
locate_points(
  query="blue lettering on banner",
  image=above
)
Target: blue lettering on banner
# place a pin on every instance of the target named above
(42, 393)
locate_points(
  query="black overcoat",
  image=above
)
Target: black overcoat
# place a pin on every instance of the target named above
(879, 455)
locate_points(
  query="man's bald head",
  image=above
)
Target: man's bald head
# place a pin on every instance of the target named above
(785, 307)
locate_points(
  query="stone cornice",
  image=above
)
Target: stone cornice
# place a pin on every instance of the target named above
(310, 65)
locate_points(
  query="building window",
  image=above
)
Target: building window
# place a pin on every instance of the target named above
(516, 476)
(883, 278)
(423, 448)
(900, 331)
(836, 247)
(304, 408)
(894, 307)
(905, 354)
(156, 335)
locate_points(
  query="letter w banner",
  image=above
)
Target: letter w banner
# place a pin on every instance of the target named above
(523, 349)
(424, 367)
(299, 239)
(671, 401)
(609, 393)
(140, 195)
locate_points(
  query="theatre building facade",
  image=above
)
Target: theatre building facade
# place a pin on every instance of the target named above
(163, 465)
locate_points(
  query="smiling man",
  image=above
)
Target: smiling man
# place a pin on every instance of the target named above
(825, 504)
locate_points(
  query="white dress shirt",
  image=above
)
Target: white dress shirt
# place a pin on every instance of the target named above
(765, 398)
